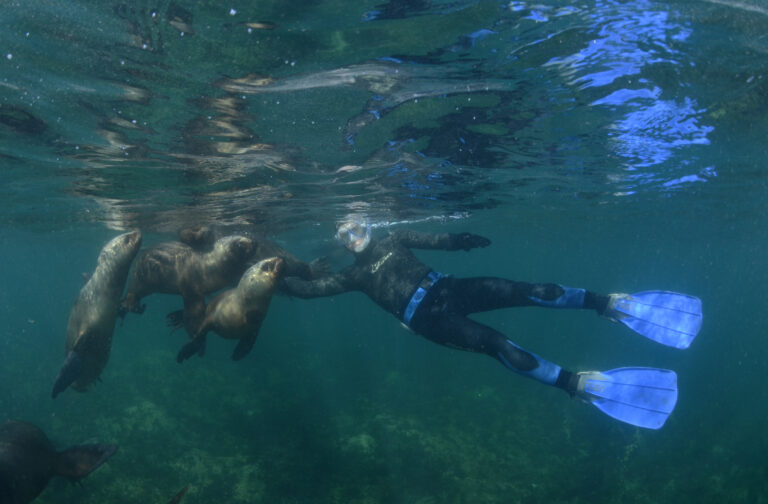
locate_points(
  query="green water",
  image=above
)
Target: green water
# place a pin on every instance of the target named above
(618, 147)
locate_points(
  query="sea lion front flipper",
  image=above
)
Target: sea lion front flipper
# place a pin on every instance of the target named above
(69, 372)
(79, 461)
(244, 346)
(194, 310)
(194, 314)
(193, 347)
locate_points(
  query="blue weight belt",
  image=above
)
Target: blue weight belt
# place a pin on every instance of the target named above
(418, 296)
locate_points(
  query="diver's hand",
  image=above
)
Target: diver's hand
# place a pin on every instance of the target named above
(319, 268)
(467, 241)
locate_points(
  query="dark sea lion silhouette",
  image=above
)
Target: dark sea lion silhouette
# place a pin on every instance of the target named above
(28, 460)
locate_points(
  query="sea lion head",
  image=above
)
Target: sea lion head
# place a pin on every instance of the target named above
(121, 250)
(261, 279)
(234, 248)
(197, 236)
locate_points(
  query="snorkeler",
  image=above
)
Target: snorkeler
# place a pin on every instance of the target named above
(436, 306)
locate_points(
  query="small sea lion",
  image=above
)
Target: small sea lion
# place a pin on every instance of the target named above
(238, 313)
(92, 318)
(177, 268)
(28, 460)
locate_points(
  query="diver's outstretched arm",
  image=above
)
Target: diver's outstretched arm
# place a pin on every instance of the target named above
(322, 287)
(440, 241)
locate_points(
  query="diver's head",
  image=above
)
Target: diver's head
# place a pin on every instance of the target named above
(355, 235)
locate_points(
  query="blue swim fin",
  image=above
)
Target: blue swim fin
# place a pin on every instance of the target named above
(668, 318)
(639, 396)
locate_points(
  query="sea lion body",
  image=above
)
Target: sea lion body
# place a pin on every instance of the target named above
(201, 238)
(28, 460)
(177, 268)
(239, 312)
(92, 318)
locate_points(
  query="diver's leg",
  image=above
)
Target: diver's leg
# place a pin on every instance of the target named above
(471, 295)
(457, 331)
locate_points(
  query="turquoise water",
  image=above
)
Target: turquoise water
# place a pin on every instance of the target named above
(617, 146)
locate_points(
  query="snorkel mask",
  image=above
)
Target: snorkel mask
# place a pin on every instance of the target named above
(355, 235)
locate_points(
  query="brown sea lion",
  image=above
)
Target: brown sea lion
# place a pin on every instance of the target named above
(28, 460)
(238, 313)
(177, 268)
(92, 318)
(203, 237)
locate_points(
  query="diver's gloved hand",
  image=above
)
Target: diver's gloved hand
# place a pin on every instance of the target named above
(467, 241)
(319, 268)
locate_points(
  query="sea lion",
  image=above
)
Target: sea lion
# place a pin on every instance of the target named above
(238, 313)
(202, 238)
(28, 460)
(92, 318)
(198, 237)
(177, 268)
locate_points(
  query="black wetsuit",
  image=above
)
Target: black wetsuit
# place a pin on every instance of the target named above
(390, 274)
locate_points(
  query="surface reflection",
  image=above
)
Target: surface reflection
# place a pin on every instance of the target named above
(259, 114)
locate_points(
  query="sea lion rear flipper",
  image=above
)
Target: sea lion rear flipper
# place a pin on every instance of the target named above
(175, 319)
(69, 372)
(191, 348)
(79, 461)
(194, 310)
